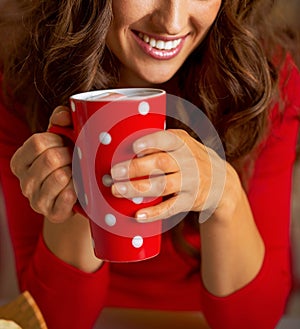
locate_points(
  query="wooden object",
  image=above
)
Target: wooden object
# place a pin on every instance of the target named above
(24, 312)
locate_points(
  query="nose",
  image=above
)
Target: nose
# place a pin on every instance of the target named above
(170, 16)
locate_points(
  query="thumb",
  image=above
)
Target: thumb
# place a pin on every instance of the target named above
(61, 116)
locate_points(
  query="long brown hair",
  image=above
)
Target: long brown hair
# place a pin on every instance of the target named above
(58, 49)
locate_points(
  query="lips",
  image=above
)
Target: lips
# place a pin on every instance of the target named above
(158, 43)
(159, 47)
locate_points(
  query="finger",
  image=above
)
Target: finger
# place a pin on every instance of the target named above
(31, 149)
(166, 209)
(164, 140)
(152, 164)
(50, 160)
(63, 205)
(61, 116)
(153, 187)
(43, 198)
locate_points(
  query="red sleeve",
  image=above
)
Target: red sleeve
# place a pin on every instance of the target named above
(67, 297)
(262, 302)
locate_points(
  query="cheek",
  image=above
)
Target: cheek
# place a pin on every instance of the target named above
(210, 13)
(127, 12)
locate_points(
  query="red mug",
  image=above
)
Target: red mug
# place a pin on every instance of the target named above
(105, 124)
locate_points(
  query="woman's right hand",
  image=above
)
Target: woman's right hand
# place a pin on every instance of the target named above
(43, 166)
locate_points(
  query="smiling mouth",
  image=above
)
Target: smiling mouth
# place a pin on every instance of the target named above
(159, 47)
(160, 44)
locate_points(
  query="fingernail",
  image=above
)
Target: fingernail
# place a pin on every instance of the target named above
(120, 188)
(118, 172)
(141, 216)
(139, 146)
(59, 110)
(62, 115)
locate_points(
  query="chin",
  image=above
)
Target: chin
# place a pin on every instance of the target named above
(157, 80)
(141, 83)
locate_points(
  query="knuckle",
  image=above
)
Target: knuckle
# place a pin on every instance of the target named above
(61, 213)
(15, 168)
(17, 165)
(163, 161)
(62, 176)
(52, 158)
(171, 185)
(68, 196)
(27, 186)
(38, 142)
(42, 141)
(183, 132)
(157, 211)
(38, 204)
(141, 186)
(172, 208)
(178, 133)
(135, 166)
(161, 184)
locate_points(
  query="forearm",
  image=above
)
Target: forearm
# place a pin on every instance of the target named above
(232, 248)
(71, 242)
(60, 288)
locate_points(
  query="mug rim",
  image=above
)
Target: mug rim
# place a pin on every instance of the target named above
(129, 94)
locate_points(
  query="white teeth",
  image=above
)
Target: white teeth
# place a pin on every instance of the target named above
(176, 43)
(169, 45)
(152, 42)
(160, 44)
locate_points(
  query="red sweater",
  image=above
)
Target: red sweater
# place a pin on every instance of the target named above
(70, 298)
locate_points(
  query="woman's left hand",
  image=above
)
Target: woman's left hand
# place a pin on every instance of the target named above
(179, 168)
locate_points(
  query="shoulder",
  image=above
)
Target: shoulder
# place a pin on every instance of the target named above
(289, 85)
(286, 111)
(278, 149)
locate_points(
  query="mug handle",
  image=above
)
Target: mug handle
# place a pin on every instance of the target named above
(70, 134)
(66, 132)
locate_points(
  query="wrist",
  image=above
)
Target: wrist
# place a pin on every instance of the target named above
(71, 242)
(232, 197)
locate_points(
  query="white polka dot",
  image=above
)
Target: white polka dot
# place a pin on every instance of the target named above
(138, 200)
(110, 219)
(137, 241)
(144, 108)
(105, 138)
(107, 180)
(73, 107)
(79, 152)
(86, 199)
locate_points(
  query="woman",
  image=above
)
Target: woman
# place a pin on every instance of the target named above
(240, 276)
